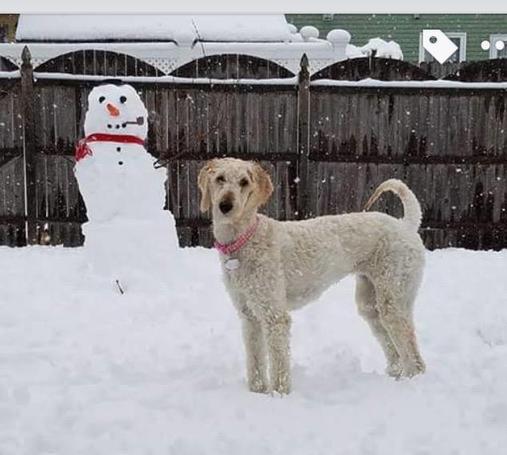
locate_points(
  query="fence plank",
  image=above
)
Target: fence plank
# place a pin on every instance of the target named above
(29, 144)
(304, 176)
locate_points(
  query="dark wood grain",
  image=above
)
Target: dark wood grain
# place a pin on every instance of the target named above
(449, 145)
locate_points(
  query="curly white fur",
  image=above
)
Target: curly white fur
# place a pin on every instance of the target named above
(287, 264)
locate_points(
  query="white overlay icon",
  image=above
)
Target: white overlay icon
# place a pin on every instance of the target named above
(438, 45)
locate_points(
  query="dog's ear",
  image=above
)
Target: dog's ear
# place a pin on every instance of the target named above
(264, 185)
(203, 183)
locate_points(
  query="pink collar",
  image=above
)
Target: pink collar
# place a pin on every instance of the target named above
(229, 248)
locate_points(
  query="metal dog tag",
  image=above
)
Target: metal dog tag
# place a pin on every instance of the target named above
(231, 264)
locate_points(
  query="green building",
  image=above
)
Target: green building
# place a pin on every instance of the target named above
(467, 31)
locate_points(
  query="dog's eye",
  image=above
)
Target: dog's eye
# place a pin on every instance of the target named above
(243, 183)
(220, 179)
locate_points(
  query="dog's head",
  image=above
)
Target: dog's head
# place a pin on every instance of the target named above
(231, 187)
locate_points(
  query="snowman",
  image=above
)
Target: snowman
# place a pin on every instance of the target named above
(129, 238)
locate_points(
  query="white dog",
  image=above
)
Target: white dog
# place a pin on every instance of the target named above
(271, 267)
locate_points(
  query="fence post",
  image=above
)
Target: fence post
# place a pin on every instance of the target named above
(303, 138)
(371, 62)
(29, 146)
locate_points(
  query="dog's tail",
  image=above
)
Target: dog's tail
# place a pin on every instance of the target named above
(411, 207)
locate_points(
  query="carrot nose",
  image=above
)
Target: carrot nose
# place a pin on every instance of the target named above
(113, 110)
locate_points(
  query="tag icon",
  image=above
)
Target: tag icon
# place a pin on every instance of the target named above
(438, 45)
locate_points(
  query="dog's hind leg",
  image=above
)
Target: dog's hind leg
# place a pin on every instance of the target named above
(395, 310)
(367, 307)
(256, 354)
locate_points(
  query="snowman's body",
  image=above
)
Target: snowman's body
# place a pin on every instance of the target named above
(119, 180)
(128, 236)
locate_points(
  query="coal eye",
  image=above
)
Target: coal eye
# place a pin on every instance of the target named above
(220, 179)
(243, 182)
(123, 99)
(102, 99)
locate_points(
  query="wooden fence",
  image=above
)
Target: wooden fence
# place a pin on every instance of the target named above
(326, 144)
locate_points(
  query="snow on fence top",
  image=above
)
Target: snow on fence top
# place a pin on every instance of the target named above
(436, 84)
(292, 81)
(151, 27)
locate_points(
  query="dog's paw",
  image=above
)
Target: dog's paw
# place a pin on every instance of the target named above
(282, 387)
(406, 371)
(282, 390)
(394, 370)
(414, 369)
(258, 387)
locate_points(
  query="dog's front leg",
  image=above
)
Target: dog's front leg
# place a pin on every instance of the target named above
(256, 356)
(277, 328)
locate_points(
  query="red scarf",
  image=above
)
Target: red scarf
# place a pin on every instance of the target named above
(83, 150)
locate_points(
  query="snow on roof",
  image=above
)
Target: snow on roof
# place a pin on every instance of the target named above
(181, 28)
(382, 49)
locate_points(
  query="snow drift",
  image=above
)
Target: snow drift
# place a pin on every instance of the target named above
(86, 371)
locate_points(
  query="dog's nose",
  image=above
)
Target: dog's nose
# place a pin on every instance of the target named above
(225, 206)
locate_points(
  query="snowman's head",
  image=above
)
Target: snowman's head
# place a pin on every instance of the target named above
(116, 109)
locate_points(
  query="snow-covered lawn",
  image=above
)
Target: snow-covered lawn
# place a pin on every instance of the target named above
(84, 370)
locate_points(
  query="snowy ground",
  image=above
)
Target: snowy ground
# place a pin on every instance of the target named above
(85, 371)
